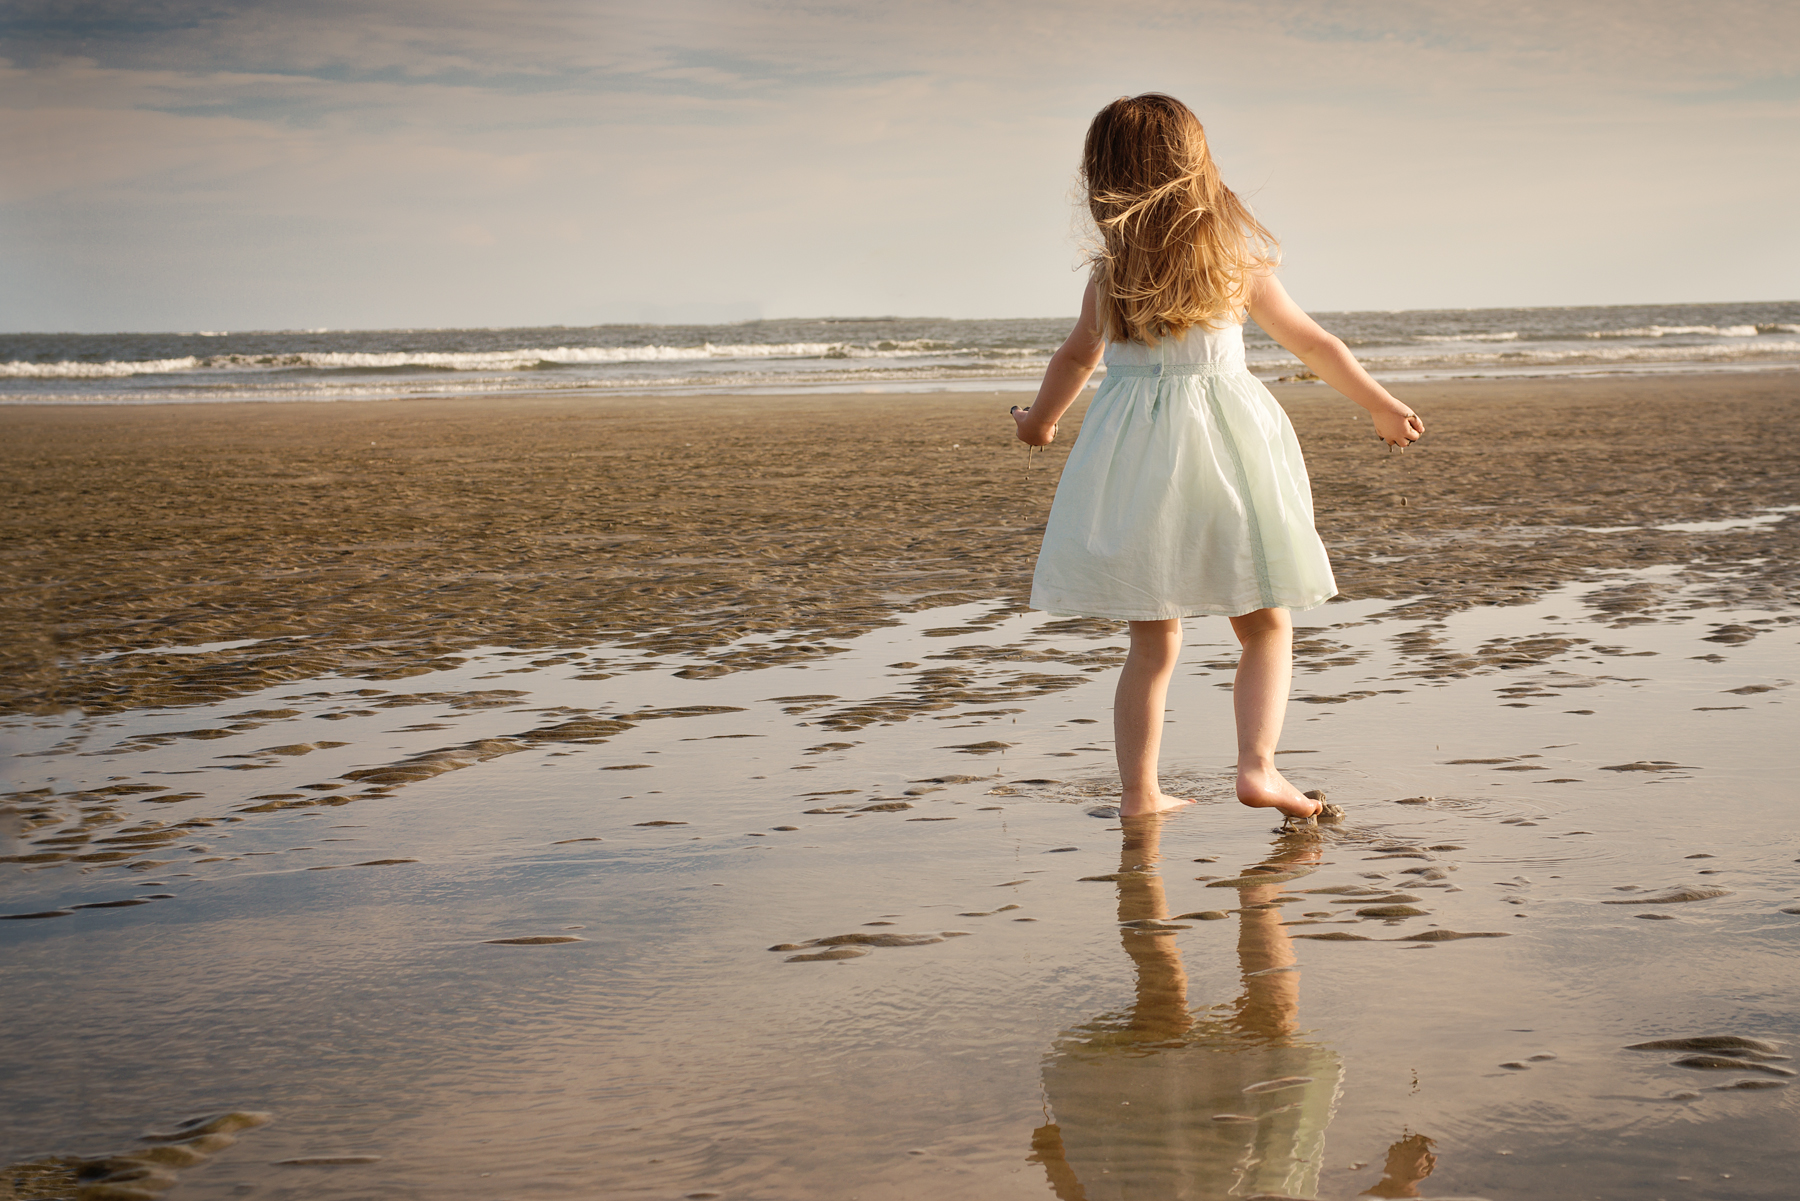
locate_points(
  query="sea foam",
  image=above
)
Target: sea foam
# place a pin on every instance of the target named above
(108, 370)
(843, 354)
(1663, 331)
(523, 359)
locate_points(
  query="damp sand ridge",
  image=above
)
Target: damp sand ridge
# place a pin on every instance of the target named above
(520, 918)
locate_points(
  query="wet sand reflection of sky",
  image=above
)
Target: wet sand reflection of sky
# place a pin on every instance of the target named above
(512, 799)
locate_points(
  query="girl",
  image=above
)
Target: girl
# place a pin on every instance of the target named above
(1186, 493)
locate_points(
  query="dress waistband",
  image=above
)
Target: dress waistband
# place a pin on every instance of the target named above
(1156, 369)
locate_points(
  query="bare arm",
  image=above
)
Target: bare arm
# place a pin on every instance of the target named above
(1283, 320)
(1070, 367)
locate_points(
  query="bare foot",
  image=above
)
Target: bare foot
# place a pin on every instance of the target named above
(1136, 804)
(1266, 788)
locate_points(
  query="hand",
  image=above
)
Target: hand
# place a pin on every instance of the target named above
(1399, 427)
(1028, 430)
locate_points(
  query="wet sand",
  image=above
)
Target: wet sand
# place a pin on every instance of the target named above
(404, 533)
(779, 861)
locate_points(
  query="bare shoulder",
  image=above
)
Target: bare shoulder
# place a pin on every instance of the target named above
(1275, 311)
(1085, 340)
(1264, 293)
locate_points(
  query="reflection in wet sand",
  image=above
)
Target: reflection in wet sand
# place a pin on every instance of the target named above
(191, 911)
(1408, 1161)
(1160, 1101)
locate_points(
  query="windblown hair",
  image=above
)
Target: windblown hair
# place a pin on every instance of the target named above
(1175, 246)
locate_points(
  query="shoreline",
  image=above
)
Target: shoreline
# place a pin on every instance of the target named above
(407, 531)
(837, 389)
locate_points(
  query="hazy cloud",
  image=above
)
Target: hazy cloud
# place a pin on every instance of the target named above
(512, 161)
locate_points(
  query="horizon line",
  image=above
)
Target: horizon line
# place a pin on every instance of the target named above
(831, 319)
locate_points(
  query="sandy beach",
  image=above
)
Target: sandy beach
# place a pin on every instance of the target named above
(408, 795)
(425, 528)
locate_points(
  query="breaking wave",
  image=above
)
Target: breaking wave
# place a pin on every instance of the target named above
(884, 353)
(524, 359)
(1664, 331)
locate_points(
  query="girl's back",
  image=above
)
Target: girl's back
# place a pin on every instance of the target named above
(1220, 345)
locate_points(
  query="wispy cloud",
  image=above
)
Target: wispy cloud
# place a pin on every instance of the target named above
(491, 161)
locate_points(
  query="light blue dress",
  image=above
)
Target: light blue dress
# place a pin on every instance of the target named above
(1185, 494)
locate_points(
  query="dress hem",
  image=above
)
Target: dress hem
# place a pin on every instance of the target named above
(1179, 610)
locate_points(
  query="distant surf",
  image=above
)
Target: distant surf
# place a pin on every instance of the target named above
(835, 354)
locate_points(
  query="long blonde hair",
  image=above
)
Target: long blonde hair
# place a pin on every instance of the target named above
(1175, 246)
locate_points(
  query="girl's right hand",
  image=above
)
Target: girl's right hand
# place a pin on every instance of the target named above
(1029, 432)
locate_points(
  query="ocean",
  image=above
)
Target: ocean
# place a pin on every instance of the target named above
(882, 354)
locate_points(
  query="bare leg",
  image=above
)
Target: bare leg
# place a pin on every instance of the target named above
(1138, 715)
(1259, 699)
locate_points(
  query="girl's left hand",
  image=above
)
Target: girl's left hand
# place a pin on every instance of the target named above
(1028, 431)
(1400, 427)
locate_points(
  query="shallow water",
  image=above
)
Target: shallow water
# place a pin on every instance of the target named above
(1572, 757)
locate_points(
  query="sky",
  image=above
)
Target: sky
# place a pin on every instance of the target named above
(188, 164)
